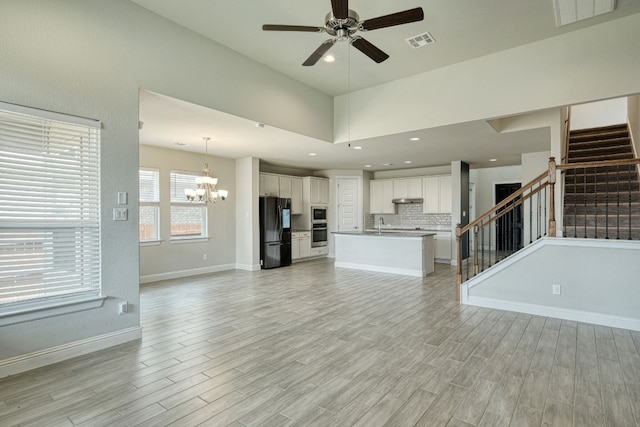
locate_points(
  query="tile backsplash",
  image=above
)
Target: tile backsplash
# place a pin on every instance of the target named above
(411, 215)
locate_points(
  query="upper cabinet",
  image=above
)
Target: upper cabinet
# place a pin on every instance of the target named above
(269, 185)
(319, 191)
(407, 188)
(296, 195)
(381, 194)
(436, 192)
(285, 186)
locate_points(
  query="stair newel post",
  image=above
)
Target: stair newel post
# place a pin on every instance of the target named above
(552, 196)
(459, 260)
(476, 269)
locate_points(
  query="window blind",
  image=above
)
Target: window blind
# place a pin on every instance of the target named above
(149, 185)
(49, 205)
(181, 181)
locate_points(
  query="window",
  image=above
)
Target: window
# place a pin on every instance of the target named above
(149, 227)
(188, 219)
(49, 206)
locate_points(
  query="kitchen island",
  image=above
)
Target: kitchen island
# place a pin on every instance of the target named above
(409, 254)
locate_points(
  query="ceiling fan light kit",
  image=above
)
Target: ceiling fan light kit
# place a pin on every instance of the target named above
(342, 24)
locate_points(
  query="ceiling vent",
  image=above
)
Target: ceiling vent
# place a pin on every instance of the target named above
(570, 11)
(420, 40)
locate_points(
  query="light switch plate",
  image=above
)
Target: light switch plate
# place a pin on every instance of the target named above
(122, 197)
(120, 214)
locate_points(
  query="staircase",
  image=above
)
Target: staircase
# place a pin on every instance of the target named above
(601, 201)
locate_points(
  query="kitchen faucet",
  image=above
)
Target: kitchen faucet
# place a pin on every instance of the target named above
(380, 222)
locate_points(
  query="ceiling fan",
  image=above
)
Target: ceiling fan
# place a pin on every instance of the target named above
(342, 24)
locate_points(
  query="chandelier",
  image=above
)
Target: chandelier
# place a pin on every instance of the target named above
(206, 190)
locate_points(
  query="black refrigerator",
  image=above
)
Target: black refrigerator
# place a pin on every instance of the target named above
(275, 232)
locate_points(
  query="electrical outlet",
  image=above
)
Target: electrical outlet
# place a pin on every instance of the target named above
(555, 289)
(123, 307)
(205, 257)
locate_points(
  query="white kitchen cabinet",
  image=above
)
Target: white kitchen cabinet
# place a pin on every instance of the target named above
(296, 195)
(322, 250)
(436, 192)
(300, 244)
(319, 193)
(381, 196)
(407, 188)
(284, 189)
(269, 185)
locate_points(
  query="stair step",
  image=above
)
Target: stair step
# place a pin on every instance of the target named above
(612, 186)
(592, 198)
(623, 176)
(602, 209)
(621, 141)
(599, 151)
(602, 233)
(600, 130)
(601, 221)
(599, 158)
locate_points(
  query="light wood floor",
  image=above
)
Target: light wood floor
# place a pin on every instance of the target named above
(312, 345)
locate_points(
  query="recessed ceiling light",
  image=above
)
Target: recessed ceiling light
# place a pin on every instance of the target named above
(329, 58)
(357, 147)
(415, 138)
(407, 161)
(386, 164)
(180, 144)
(367, 166)
(260, 125)
(493, 160)
(312, 154)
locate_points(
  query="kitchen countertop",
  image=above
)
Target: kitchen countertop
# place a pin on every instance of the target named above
(394, 229)
(415, 233)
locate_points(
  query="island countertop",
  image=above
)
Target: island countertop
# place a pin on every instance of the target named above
(391, 234)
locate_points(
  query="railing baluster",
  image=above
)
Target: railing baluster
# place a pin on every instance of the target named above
(575, 203)
(475, 250)
(546, 215)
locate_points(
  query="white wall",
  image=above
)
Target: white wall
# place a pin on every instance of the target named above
(247, 214)
(598, 279)
(597, 114)
(90, 58)
(586, 65)
(182, 258)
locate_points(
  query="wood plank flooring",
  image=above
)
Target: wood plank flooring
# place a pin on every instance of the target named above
(312, 345)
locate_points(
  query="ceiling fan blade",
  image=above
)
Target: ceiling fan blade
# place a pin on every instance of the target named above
(369, 49)
(398, 18)
(319, 52)
(303, 28)
(340, 8)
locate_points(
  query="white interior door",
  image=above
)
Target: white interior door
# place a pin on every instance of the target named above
(348, 204)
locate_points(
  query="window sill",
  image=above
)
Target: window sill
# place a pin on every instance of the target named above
(150, 242)
(180, 240)
(27, 312)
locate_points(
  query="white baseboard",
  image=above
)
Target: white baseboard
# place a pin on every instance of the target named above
(248, 267)
(557, 312)
(27, 362)
(185, 273)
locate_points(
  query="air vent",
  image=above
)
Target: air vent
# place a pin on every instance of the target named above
(421, 40)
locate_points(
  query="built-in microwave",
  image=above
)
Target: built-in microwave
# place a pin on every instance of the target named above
(318, 214)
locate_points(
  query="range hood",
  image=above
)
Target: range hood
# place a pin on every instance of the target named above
(406, 201)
